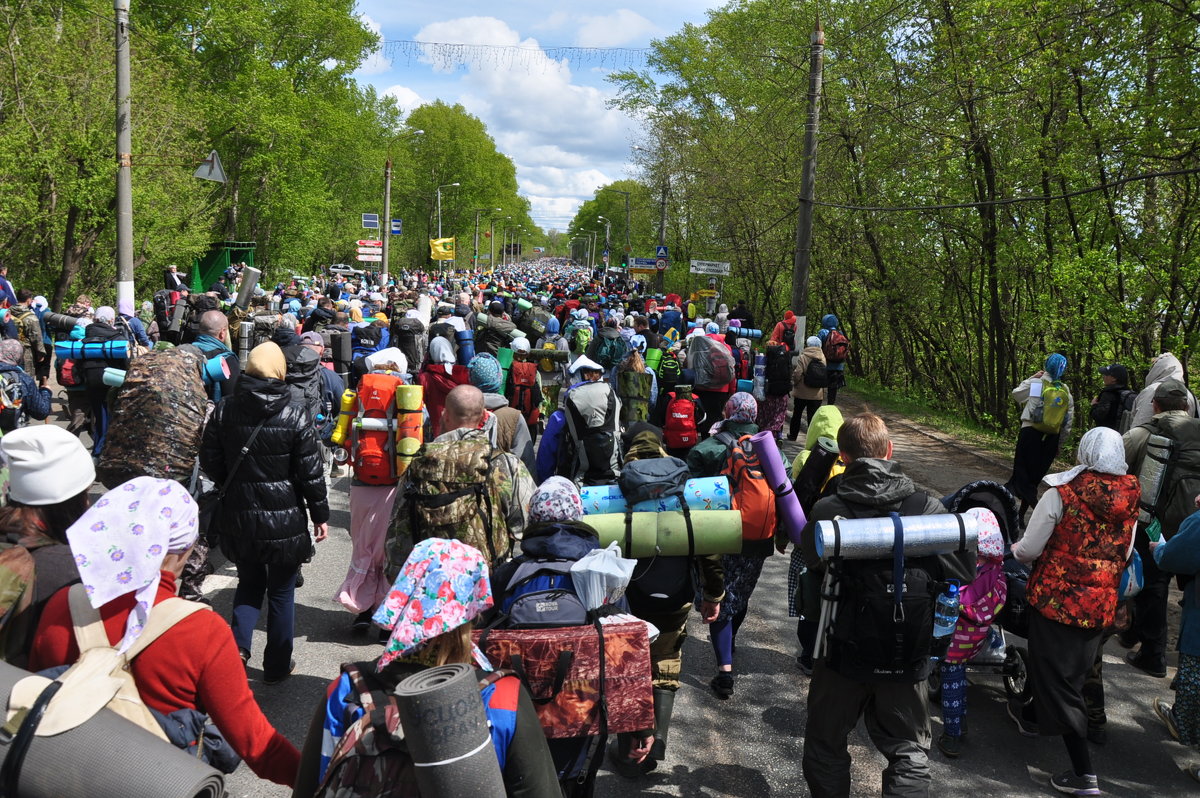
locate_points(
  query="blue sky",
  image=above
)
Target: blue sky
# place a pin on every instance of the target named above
(548, 115)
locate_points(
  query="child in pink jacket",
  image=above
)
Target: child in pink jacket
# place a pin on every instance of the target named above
(980, 602)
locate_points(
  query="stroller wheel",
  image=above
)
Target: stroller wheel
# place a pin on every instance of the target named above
(934, 683)
(1016, 675)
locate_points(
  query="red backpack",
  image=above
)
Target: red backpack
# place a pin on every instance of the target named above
(680, 430)
(523, 392)
(753, 496)
(373, 451)
(836, 347)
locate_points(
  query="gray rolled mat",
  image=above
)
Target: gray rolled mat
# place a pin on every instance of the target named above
(107, 756)
(446, 729)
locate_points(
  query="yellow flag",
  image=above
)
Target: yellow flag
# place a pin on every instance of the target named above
(441, 248)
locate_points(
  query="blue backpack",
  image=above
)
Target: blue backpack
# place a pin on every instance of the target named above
(541, 595)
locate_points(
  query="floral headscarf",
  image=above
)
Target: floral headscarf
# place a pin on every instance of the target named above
(120, 542)
(741, 407)
(1100, 449)
(556, 499)
(991, 541)
(443, 585)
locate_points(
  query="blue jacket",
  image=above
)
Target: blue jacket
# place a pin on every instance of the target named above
(35, 401)
(547, 453)
(1181, 555)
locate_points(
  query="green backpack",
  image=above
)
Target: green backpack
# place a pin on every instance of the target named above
(1049, 414)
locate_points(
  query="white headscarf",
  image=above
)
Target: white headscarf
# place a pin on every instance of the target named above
(441, 353)
(1100, 450)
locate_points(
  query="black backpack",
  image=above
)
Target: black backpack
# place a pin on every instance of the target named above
(779, 371)
(874, 637)
(406, 336)
(789, 336)
(815, 374)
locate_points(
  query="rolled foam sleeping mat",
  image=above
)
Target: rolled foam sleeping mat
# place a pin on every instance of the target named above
(716, 532)
(653, 358)
(466, 346)
(524, 304)
(745, 385)
(114, 378)
(409, 397)
(779, 478)
(446, 730)
(873, 538)
(702, 493)
(107, 755)
(749, 333)
(92, 350)
(505, 356)
(250, 278)
(556, 355)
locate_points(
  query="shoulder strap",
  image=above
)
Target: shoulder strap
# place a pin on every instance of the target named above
(163, 616)
(237, 463)
(89, 628)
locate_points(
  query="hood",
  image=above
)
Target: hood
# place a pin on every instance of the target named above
(609, 332)
(825, 424)
(494, 401)
(262, 397)
(1165, 367)
(302, 363)
(814, 352)
(462, 432)
(1102, 498)
(875, 483)
(321, 314)
(562, 540)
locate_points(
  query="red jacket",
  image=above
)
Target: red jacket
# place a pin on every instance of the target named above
(194, 664)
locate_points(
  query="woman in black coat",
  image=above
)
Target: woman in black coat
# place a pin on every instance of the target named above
(272, 494)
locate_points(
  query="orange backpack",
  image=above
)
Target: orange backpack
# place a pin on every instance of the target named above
(752, 494)
(373, 431)
(523, 391)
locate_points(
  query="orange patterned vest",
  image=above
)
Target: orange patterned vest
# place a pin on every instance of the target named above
(1075, 579)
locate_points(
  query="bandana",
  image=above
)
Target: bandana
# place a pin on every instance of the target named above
(120, 542)
(1101, 450)
(556, 499)
(991, 541)
(443, 585)
(486, 374)
(741, 407)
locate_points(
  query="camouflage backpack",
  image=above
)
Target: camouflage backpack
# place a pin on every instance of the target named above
(372, 758)
(16, 594)
(453, 489)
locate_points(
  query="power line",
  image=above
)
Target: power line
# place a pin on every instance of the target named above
(1011, 200)
(450, 56)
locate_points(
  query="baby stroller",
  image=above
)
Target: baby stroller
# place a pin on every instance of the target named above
(1000, 655)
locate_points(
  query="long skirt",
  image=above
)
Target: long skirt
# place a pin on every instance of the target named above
(772, 414)
(1032, 459)
(1060, 657)
(366, 583)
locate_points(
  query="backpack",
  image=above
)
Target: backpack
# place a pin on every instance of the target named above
(163, 303)
(879, 634)
(1180, 481)
(407, 336)
(17, 578)
(589, 448)
(836, 347)
(711, 361)
(815, 375)
(633, 388)
(11, 396)
(581, 337)
(264, 328)
(789, 336)
(522, 390)
(373, 445)
(779, 371)
(453, 489)
(550, 343)
(19, 317)
(371, 758)
(669, 369)
(679, 431)
(752, 495)
(611, 351)
(1049, 411)
(1125, 412)
(101, 678)
(366, 339)
(540, 594)
(304, 379)
(156, 420)
(70, 372)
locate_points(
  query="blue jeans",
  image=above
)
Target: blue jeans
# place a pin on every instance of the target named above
(278, 584)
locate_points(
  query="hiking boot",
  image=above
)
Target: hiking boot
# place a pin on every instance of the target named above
(361, 623)
(1067, 782)
(950, 746)
(1156, 668)
(805, 663)
(1026, 728)
(1166, 713)
(722, 684)
(277, 678)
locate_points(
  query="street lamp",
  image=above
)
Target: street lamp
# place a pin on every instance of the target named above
(387, 200)
(492, 241)
(607, 235)
(439, 204)
(475, 254)
(628, 248)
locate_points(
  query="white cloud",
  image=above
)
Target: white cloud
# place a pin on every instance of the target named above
(563, 138)
(405, 97)
(376, 63)
(553, 22)
(620, 27)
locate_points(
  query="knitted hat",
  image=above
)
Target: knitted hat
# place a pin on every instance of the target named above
(485, 373)
(46, 465)
(267, 361)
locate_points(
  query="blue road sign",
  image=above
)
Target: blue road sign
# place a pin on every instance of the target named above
(661, 252)
(397, 227)
(643, 261)
(370, 221)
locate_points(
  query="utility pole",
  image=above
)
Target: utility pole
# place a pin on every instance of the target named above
(386, 226)
(661, 277)
(124, 159)
(802, 257)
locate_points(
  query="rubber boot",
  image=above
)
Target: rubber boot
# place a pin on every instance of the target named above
(664, 704)
(618, 756)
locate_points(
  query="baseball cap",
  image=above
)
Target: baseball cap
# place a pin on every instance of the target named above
(312, 338)
(1117, 372)
(1170, 388)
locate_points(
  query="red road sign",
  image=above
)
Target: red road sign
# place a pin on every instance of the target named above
(369, 243)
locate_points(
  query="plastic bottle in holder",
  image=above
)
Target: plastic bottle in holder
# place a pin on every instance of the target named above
(945, 613)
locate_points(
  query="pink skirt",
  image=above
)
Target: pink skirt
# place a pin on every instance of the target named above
(366, 583)
(772, 413)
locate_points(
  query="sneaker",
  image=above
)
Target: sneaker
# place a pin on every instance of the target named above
(722, 684)
(1097, 735)
(805, 663)
(950, 746)
(1026, 728)
(1166, 713)
(277, 678)
(1157, 669)
(1067, 782)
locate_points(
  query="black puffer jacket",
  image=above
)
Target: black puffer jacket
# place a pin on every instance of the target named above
(262, 517)
(93, 368)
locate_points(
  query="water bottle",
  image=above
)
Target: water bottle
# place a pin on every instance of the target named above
(945, 614)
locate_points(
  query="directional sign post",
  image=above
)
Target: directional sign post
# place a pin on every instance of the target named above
(370, 221)
(661, 252)
(660, 264)
(370, 250)
(397, 227)
(369, 258)
(368, 242)
(718, 268)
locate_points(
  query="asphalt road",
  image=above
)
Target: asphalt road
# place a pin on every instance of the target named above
(751, 745)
